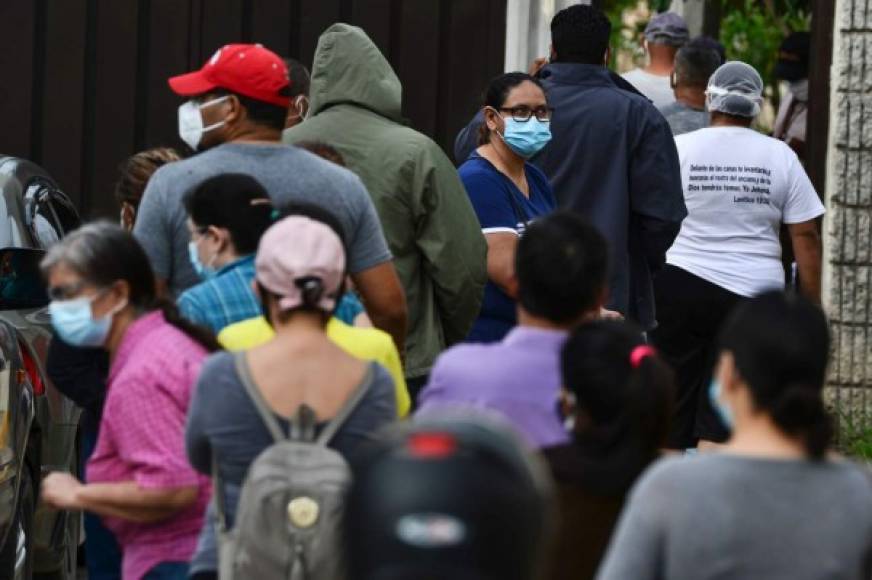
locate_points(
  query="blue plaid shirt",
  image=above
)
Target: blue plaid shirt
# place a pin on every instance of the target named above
(223, 300)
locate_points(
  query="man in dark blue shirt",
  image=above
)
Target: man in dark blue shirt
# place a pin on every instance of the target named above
(612, 158)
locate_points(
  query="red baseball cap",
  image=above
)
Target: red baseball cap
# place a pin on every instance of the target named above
(248, 69)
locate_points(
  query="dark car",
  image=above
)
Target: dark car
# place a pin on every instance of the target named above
(38, 425)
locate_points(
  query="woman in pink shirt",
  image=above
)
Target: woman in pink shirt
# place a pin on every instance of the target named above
(139, 479)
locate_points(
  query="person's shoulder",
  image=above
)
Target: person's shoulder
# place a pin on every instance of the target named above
(370, 340)
(217, 366)
(466, 359)
(245, 334)
(672, 474)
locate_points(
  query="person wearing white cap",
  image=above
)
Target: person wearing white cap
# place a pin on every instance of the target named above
(664, 35)
(740, 186)
(300, 273)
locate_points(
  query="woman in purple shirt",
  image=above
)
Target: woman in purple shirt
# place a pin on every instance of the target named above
(139, 479)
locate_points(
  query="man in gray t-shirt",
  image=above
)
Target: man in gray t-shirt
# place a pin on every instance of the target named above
(694, 65)
(235, 113)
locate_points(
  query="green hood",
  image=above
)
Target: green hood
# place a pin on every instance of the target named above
(349, 68)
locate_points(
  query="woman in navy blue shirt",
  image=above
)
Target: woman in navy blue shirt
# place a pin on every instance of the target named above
(506, 191)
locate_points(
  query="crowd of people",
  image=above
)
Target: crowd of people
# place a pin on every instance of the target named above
(610, 371)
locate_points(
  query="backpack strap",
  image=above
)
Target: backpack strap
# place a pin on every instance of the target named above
(266, 415)
(347, 409)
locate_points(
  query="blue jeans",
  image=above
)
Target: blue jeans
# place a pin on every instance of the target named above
(168, 571)
(102, 554)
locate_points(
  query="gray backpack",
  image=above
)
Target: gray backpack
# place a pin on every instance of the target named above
(290, 506)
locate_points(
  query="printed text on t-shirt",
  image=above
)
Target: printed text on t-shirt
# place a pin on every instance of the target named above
(747, 184)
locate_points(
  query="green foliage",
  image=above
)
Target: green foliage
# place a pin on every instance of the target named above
(752, 30)
(855, 438)
(624, 37)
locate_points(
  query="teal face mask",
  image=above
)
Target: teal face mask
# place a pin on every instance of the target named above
(723, 410)
(205, 272)
(75, 324)
(526, 138)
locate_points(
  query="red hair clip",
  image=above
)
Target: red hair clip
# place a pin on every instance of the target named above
(638, 354)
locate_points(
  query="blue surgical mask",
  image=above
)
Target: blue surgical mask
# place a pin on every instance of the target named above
(204, 271)
(75, 324)
(723, 410)
(526, 138)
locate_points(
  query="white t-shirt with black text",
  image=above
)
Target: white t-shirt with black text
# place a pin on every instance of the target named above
(739, 187)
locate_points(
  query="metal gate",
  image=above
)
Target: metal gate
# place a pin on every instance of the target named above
(83, 82)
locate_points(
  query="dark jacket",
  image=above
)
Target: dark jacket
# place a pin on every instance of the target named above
(80, 374)
(591, 489)
(613, 159)
(439, 250)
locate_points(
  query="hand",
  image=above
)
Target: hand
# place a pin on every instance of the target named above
(610, 315)
(537, 65)
(60, 490)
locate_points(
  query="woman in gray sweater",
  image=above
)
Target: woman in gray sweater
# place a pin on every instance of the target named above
(772, 504)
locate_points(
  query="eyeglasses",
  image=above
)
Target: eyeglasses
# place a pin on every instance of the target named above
(523, 113)
(68, 291)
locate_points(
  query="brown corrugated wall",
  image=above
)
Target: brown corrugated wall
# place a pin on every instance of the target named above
(83, 82)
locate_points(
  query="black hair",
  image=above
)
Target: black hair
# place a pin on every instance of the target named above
(260, 112)
(710, 43)
(580, 34)
(561, 264)
(311, 298)
(323, 150)
(780, 343)
(498, 91)
(694, 65)
(103, 253)
(623, 409)
(236, 202)
(299, 76)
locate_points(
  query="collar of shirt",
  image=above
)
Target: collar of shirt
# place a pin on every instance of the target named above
(576, 74)
(532, 337)
(136, 333)
(236, 264)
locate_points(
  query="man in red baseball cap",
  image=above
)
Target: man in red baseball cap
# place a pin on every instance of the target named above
(234, 112)
(248, 81)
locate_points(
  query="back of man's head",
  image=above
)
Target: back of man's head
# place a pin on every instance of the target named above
(694, 65)
(561, 265)
(580, 34)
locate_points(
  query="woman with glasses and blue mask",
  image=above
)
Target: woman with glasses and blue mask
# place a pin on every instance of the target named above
(507, 191)
(773, 502)
(139, 480)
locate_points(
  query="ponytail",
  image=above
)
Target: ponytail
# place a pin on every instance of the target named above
(624, 390)
(199, 334)
(799, 411)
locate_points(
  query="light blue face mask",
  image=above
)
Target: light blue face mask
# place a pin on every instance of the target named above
(723, 410)
(205, 272)
(526, 138)
(75, 324)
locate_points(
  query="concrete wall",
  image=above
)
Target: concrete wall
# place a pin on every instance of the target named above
(848, 224)
(528, 29)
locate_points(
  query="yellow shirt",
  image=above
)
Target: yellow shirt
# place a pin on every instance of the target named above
(368, 344)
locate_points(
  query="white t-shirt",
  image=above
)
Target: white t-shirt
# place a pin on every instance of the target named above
(655, 87)
(739, 187)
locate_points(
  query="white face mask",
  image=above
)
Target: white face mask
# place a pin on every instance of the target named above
(191, 127)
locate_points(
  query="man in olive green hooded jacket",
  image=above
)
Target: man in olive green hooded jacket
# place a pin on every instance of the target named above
(439, 250)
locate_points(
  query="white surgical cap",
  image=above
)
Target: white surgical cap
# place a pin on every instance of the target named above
(735, 89)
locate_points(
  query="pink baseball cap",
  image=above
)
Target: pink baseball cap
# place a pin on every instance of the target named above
(248, 69)
(294, 250)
